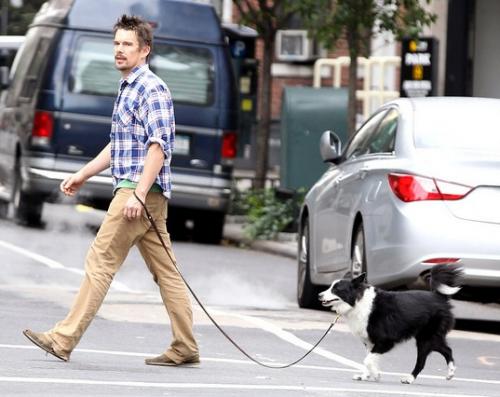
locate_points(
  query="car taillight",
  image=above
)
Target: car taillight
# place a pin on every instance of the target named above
(229, 148)
(435, 261)
(416, 188)
(43, 127)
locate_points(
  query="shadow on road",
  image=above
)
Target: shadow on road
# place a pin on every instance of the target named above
(487, 326)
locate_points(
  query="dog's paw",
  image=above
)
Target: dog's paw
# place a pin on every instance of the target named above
(366, 377)
(408, 379)
(451, 371)
(361, 376)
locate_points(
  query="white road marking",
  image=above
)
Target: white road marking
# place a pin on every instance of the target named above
(488, 360)
(222, 386)
(57, 265)
(36, 257)
(291, 338)
(260, 323)
(286, 336)
(248, 362)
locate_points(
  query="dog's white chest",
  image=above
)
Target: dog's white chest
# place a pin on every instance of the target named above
(357, 328)
(357, 318)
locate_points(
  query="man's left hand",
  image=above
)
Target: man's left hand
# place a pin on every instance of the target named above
(133, 209)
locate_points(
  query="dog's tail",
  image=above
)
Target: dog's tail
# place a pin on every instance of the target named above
(446, 279)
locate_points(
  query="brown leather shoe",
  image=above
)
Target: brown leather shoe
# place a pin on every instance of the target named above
(44, 342)
(166, 361)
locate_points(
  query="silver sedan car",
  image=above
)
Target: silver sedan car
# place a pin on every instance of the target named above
(417, 185)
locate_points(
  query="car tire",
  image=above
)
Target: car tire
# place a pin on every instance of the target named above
(176, 224)
(27, 208)
(208, 227)
(307, 292)
(358, 252)
(4, 209)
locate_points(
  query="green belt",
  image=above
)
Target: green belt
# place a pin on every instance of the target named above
(125, 183)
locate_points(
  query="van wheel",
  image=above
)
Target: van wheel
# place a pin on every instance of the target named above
(176, 224)
(358, 253)
(307, 292)
(208, 227)
(4, 209)
(27, 208)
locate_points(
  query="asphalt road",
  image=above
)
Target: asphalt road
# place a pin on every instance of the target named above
(252, 295)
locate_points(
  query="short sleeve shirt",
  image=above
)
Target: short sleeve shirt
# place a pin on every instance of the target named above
(143, 114)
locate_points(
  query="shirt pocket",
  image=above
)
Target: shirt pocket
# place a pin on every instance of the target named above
(125, 115)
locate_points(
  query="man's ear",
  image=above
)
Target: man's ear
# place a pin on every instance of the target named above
(360, 279)
(146, 50)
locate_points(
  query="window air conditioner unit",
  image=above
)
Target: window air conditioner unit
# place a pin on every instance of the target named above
(294, 45)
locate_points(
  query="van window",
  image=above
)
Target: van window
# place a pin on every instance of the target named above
(94, 71)
(29, 64)
(34, 70)
(188, 71)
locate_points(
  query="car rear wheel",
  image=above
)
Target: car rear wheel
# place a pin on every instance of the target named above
(307, 292)
(27, 208)
(358, 253)
(4, 209)
(208, 227)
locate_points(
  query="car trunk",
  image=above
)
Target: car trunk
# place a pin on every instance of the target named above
(480, 172)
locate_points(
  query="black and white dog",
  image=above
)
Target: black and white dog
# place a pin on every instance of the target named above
(384, 318)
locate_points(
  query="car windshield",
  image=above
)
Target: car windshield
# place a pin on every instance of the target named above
(467, 130)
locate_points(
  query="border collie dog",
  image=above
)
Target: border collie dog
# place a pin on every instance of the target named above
(384, 318)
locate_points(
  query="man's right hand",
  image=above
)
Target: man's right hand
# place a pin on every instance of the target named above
(72, 183)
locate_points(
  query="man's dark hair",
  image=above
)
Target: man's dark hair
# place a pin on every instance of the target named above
(141, 28)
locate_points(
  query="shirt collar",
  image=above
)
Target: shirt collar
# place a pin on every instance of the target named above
(134, 74)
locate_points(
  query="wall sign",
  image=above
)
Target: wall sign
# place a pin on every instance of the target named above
(419, 66)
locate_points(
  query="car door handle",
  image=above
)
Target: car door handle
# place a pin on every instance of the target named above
(363, 172)
(341, 179)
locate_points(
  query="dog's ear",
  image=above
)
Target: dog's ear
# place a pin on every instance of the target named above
(359, 280)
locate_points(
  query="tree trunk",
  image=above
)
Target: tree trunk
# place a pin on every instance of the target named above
(351, 105)
(264, 124)
(353, 43)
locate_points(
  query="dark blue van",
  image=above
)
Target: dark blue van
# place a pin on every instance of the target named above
(56, 115)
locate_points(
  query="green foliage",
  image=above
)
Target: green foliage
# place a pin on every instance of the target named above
(358, 20)
(266, 213)
(265, 16)
(20, 18)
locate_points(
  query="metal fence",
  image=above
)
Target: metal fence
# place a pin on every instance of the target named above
(380, 76)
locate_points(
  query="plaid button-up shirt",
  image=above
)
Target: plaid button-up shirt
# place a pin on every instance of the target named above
(143, 114)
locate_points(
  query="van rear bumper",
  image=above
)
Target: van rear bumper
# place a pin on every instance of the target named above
(100, 187)
(194, 197)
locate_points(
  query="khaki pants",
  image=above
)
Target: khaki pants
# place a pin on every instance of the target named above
(104, 258)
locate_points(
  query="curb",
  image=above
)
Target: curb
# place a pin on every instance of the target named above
(234, 232)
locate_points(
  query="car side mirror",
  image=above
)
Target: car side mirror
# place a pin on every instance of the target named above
(330, 147)
(4, 77)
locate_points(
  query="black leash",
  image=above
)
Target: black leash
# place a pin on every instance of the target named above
(151, 220)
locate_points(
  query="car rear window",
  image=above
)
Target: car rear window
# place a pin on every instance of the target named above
(188, 71)
(464, 129)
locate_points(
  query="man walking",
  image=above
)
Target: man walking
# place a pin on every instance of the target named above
(139, 153)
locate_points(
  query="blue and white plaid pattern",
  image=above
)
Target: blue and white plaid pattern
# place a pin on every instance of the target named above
(143, 114)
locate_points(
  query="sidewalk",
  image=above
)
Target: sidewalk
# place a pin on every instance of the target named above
(285, 245)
